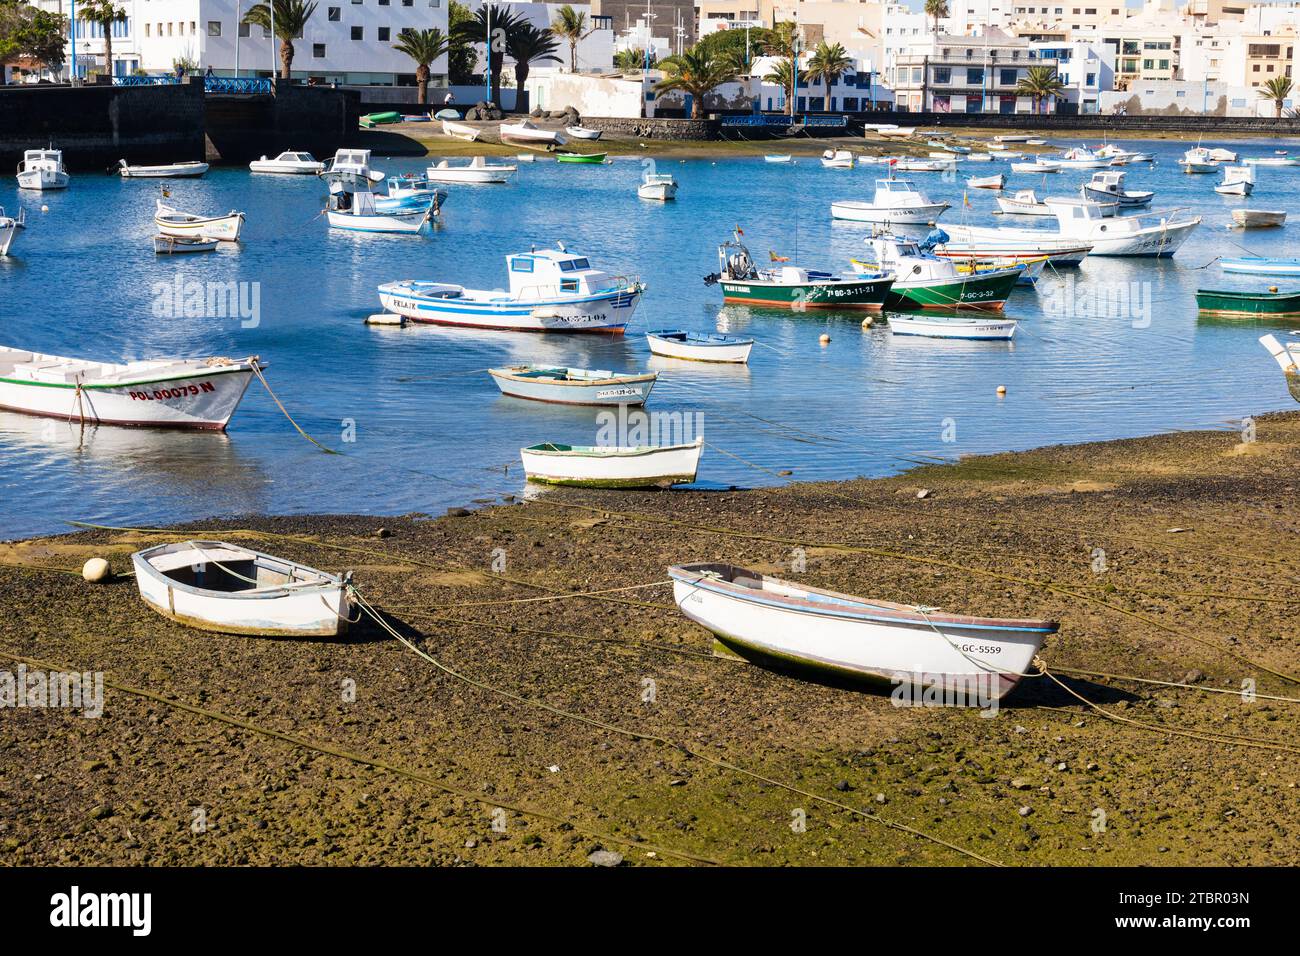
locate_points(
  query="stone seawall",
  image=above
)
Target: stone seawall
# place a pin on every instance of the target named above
(96, 125)
(240, 127)
(677, 129)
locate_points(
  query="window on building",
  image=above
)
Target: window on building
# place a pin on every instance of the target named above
(332, 14)
(318, 50)
(358, 33)
(146, 29)
(1092, 79)
(974, 74)
(1007, 77)
(383, 3)
(942, 74)
(194, 28)
(384, 34)
(214, 28)
(243, 29)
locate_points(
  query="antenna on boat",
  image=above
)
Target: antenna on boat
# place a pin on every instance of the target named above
(560, 246)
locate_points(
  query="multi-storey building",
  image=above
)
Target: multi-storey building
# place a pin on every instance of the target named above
(966, 74)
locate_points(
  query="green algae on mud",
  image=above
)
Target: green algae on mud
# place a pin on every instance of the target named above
(1195, 531)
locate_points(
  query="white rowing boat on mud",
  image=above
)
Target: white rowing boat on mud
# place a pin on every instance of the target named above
(612, 466)
(216, 586)
(460, 131)
(164, 393)
(784, 625)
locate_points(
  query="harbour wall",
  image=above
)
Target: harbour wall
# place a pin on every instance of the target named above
(655, 127)
(97, 124)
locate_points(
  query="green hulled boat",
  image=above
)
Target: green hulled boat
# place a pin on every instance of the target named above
(1271, 304)
(378, 119)
(791, 287)
(926, 281)
(580, 157)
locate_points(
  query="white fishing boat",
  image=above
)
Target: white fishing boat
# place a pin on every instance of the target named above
(987, 182)
(1047, 166)
(477, 171)
(184, 225)
(164, 393)
(1025, 202)
(1258, 218)
(351, 168)
(896, 202)
(1107, 187)
(659, 187)
(1080, 158)
(1122, 157)
(955, 327)
(837, 159)
(1197, 167)
(168, 171)
(42, 169)
(699, 346)
(775, 622)
(526, 132)
(573, 386)
(460, 131)
(979, 158)
(895, 132)
(215, 586)
(581, 132)
(9, 228)
(289, 163)
(1012, 138)
(1083, 221)
(174, 245)
(1237, 181)
(612, 466)
(1271, 161)
(1261, 265)
(924, 165)
(777, 158)
(923, 280)
(357, 211)
(1035, 142)
(551, 290)
(1022, 245)
(946, 157)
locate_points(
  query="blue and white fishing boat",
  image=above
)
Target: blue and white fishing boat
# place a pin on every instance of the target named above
(1261, 265)
(699, 346)
(354, 205)
(573, 386)
(551, 290)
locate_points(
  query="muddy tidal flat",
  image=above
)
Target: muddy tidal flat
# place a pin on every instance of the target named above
(541, 724)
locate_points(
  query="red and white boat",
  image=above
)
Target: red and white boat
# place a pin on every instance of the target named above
(163, 393)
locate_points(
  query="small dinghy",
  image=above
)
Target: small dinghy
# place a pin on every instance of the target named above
(1271, 161)
(165, 245)
(573, 386)
(215, 586)
(185, 225)
(288, 163)
(1287, 356)
(9, 229)
(777, 158)
(659, 187)
(478, 170)
(784, 625)
(163, 393)
(169, 171)
(1044, 167)
(1271, 304)
(953, 328)
(592, 159)
(837, 159)
(529, 134)
(581, 132)
(699, 346)
(1261, 265)
(1258, 218)
(460, 131)
(595, 466)
(924, 165)
(987, 182)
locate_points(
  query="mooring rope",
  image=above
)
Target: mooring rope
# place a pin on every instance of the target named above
(262, 378)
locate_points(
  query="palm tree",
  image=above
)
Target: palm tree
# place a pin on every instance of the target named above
(291, 18)
(1277, 90)
(697, 72)
(829, 62)
(936, 9)
(629, 59)
(571, 25)
(476, 30)
(105, 13)
(1041, 83)
(526, 44)
(783, 75)
(424, 47)
(461, 58)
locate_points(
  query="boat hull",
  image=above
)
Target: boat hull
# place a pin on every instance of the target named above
(1249, 304)
(620, 390)
(42, 179)
(867, 294)
(177, 171)
(204, 401)
(733, 353)
(657, 192)
(608, 312)
(223, 228)
(986, 291)
(1261, 266)
(842, 644)
(408, 222)
(867, 212)
(980, 330)
(655, 467)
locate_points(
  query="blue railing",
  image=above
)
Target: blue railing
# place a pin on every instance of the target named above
(211, 84)
(829, 121)
(756, 120)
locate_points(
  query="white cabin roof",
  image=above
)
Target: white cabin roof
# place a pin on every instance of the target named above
(54, 154)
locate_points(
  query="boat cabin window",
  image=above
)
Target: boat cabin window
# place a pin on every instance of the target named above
(573, 265)
(521, 265)
(568, 285)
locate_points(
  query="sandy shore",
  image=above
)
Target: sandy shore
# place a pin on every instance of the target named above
(248, 751)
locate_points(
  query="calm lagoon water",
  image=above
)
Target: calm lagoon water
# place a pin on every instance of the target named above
(430, 429)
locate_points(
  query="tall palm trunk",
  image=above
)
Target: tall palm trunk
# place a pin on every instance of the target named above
(286, 59)
(422, 82)
(108, 49)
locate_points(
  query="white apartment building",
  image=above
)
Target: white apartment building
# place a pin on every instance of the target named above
(1084, 68)
(345, 41)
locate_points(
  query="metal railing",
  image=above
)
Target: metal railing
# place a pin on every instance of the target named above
(211, 84)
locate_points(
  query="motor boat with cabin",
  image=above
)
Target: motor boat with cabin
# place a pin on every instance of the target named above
(1084, 221)
(354, 205)
(896, 202)
(1107, 186)
(789, 286)
(42, 169)
(477, 171)
(289, 163)
(926, 281)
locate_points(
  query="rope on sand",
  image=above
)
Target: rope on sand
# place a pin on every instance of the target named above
(332, 751)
